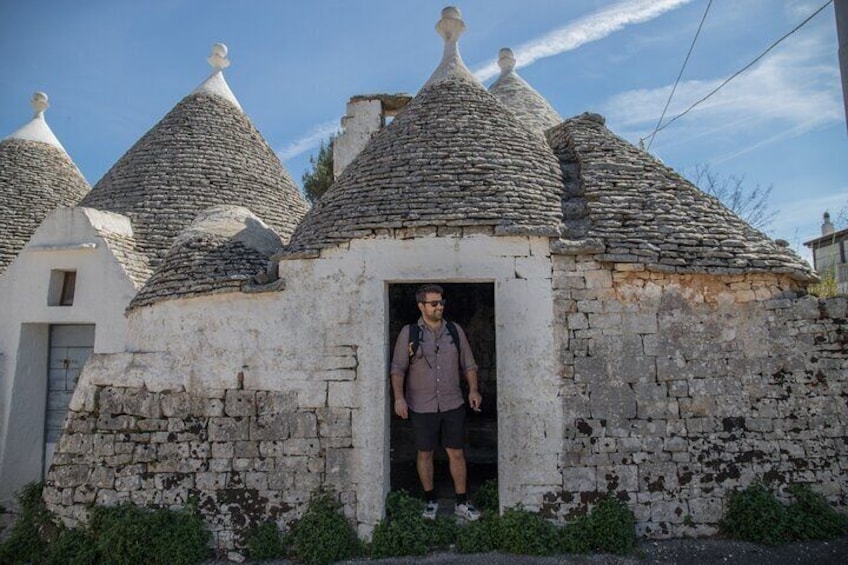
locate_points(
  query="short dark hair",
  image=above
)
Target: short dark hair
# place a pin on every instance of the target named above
(426, 289)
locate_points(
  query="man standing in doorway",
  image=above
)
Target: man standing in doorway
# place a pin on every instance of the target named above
(431, 365)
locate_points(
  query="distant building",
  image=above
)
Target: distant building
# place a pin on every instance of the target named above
(829, 253)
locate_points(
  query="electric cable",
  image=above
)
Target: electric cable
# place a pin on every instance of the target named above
(740, 71)
(679, 75)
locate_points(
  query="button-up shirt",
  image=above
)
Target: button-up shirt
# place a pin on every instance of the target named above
(432, 376)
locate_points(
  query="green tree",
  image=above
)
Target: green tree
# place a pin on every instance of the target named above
(318, 180)
(750, 204)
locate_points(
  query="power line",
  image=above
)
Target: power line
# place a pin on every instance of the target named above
(740, 71)
(679, 75)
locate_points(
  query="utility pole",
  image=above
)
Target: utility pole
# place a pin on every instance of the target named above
(841, 9)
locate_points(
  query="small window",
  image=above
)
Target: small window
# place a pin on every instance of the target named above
(63, 286)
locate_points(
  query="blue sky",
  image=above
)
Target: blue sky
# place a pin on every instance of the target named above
(114, 68)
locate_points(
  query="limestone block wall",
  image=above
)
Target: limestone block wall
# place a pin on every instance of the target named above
(243, 456)
(678, 389)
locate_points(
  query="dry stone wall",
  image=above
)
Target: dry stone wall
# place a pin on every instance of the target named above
(243, 456)
(678, 389)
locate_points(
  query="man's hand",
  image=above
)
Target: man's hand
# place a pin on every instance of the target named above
(475, 400)
(401, 409)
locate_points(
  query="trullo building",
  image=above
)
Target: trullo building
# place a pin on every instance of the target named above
(634, 335)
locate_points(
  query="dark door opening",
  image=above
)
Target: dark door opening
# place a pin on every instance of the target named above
(472, 306)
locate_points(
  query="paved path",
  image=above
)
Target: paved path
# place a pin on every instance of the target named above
(669, 552)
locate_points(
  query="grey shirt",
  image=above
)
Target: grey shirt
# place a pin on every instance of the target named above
(432, 376)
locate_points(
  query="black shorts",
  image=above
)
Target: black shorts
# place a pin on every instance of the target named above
(429, 427)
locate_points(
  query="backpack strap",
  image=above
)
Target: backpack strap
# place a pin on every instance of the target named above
(414, 339)
(454, 335)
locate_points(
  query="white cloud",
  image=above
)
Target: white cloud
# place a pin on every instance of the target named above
(793, 90)
(589, 28)
(310, 140)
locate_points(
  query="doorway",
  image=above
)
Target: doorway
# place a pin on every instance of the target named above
(472, 306)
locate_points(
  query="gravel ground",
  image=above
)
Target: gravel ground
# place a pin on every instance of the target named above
(677, 552)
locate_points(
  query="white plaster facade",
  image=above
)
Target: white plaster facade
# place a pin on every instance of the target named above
(321, 337)
(362, 119)
(68, 240)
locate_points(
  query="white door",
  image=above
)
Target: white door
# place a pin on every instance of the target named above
(70, 346)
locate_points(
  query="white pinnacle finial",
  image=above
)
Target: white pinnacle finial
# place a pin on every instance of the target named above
(37, 128)
(218, 58)
(39, 103)
(506, 60)
(216, 83)
(451, 26)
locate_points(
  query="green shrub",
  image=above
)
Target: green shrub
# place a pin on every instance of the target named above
(525, 533)
(811, 517)
(73, 547)
(576, 536)
(486, 497)
(265, 542)
(480, 536)
(405, 532)
(33, 530)
(754, 514)
(441, 532)
(128, 534)
(394, 538)
(611, 526)
(323, 534)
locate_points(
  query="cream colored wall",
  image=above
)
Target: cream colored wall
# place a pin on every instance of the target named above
(67, 240)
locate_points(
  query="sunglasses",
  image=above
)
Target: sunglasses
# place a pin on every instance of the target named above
(435, 303)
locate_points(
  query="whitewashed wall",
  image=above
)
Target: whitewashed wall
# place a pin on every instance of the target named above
(67, 240)
(326, 337)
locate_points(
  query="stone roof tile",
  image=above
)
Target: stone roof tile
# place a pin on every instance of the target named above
(625, 206)
(204, 152)
(454, 157)
(35, 179)
(221, 251)
(523, 100)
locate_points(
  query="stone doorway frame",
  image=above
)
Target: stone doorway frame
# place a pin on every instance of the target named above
(475, 301)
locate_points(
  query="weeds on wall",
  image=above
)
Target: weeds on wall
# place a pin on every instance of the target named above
(827, 287)
(755, 514)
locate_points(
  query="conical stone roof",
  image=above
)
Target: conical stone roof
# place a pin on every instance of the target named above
(204, 152)
(36, 177)
(219, 252)
(454, 158)
(626, 207)
(523, 100)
